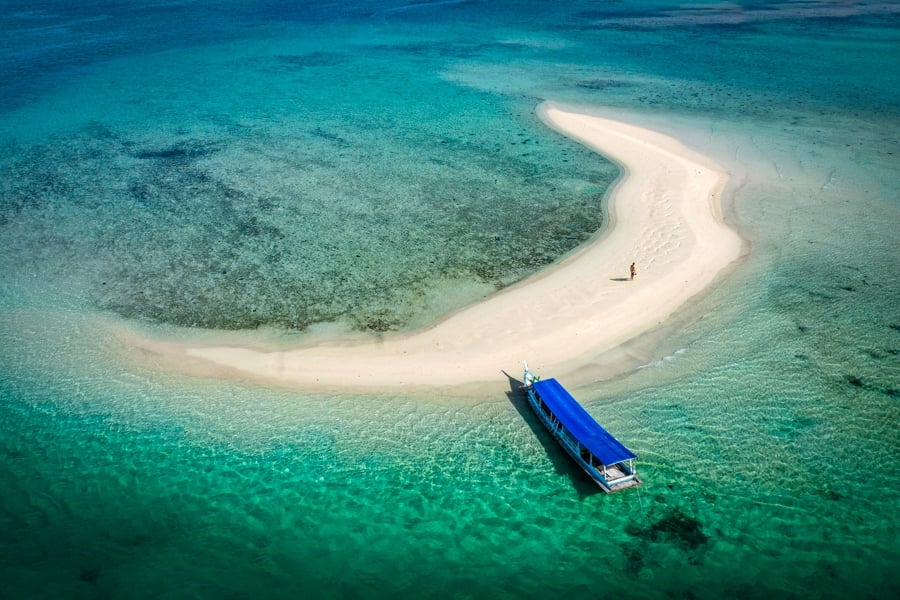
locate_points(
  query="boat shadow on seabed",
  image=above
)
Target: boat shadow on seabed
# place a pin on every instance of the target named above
(562, 464)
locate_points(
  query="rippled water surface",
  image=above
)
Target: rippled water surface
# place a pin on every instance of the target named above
(372, 166)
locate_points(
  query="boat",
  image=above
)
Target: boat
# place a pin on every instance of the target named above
(604, 458)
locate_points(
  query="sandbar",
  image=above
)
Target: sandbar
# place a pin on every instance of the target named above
(664, 214)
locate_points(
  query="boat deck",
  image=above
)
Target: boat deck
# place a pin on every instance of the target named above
(614, 472)
(603, 457)
(615, 487)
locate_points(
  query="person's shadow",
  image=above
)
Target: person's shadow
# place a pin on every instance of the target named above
(619, 279)
(562, 462)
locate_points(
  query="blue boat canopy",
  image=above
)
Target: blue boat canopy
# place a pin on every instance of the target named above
(580, 424)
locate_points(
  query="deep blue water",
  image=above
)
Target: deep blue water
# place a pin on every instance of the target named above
(279, 165)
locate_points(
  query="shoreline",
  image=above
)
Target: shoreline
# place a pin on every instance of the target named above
(664, 214)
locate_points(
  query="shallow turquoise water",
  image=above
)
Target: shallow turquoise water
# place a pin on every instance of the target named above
(281, 164)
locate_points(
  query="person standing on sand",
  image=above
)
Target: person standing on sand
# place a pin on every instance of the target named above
(633, 271)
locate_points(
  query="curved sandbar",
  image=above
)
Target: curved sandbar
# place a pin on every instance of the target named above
(665, 216)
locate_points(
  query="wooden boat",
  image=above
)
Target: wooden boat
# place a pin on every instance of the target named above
(609, 463)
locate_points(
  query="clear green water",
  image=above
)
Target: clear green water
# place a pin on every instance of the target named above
(280, 164)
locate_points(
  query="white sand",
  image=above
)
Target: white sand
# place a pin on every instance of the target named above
(665, 215)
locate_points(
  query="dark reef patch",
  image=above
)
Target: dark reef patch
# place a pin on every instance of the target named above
(673, 527)
(182, 152)
(167, 153)
(858, 383)
(831, 494)
(611, 11)
(275, 235)
(633, 557)
(379, 324)
(328, 136)
(602, 84)
(854, 381)
(435, 49)
(664, 525)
